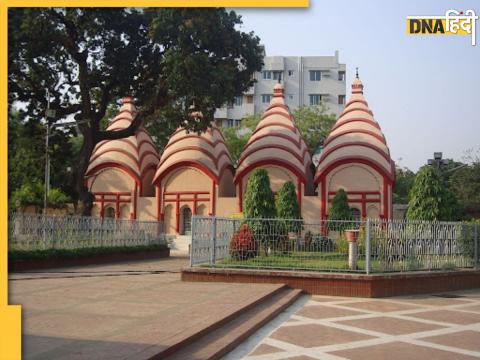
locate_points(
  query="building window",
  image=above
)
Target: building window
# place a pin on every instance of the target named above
(290, 72)
(238, 123)
(272, 75)
(249, 99)
(341, 99)
(266, 98)
(341, 76)
(315, 99)
(230, 105)
(290, 96)
(356, 214)
(238, 101)
(230, 123)
(315, 75)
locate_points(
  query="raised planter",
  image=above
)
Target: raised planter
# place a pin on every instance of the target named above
(59, 262)
(345, 284)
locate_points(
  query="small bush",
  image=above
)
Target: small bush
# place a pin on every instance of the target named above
(57, 199)
(243, 245)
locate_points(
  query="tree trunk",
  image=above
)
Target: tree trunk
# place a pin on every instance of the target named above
(84, 195)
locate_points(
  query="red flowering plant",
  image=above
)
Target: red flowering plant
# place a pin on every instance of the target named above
(243, 245)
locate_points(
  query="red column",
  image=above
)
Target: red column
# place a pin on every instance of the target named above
(102, 204)
(240, 196)
(364, 205)
(135, 192)
(177, 214)
(385, 200)
(159, 202)
(213, 198)
(194, 210)
(117, 206)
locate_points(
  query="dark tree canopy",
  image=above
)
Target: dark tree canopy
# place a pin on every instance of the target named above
(430, 199)
(171, 60)
(259, 198)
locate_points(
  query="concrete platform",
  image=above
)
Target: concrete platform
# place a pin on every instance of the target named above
(124, 311)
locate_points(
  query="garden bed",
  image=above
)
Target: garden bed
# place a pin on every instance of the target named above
(52, 258)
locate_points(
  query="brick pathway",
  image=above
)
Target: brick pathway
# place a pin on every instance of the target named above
(128, 310)
(430, 327)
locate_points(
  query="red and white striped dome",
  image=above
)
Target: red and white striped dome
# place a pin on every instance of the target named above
(206, 151)
(356, 136)
(135, 154)
(276, 141)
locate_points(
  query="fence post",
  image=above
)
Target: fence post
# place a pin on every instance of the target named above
(214, 240)
(367, 247)
(475, 242)
(192, 247)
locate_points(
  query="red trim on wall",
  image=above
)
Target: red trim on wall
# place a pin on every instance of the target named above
(354, 101)
(279, 124)
(340, 123)
(298, 144)
(385, 155)
(272, 106)
(276, 112)
(124, 140)
(186, 163)
(146, 153)
(186, 193)
(135, 196)
(240, 197)
(193, 136)
(122, 151)
(187, 199)
(385, 201)
(214, 195)
(321, 173)
(273, 162)
(249, 152)
(355, 131)
(358, 192)
(346, 111)
(209, 154)
(110, 164)
(158, 193)
(177, 214)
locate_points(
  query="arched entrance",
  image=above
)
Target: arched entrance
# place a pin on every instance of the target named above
(110, 212)
(186, 221)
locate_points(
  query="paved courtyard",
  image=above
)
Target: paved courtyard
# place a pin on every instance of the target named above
(433, 327)
(128, 310)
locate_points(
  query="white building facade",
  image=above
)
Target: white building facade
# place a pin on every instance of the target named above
(308, 80)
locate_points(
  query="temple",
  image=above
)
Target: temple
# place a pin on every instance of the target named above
(195, 174)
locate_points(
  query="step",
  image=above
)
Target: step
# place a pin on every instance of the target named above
(221, 340)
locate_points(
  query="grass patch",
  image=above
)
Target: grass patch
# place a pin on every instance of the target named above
(78, 253)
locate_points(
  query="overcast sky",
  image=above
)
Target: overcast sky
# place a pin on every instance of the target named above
(423, 90)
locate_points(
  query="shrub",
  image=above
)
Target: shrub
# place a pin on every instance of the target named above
(57, 199)
(339, 211)
(243, 245)
(28, 194)
(260, 204)
(288, 208)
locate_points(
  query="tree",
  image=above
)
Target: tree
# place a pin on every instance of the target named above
(429, 198)
(404, 178)
(287, 204)
(465, 184)
(237, 138)
(340, 209)
(171, 60)
(314, 124)
(259, 198)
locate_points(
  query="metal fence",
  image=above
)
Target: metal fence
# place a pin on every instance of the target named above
(40, 232)
(381, 246)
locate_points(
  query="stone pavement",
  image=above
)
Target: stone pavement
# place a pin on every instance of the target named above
(433, 327)
(125, 310)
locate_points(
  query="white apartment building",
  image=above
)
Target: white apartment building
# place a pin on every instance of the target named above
(308, 80)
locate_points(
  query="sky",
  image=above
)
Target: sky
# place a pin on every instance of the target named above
(423, 90)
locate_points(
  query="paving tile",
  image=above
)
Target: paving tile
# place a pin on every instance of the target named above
(324, 312)
(380, 306)
(263, 349)
(391, 326)
(449, 316)
(318, 298)
(313, 335)
(475, 308)
(301, 357)
(468, 340)
(399, 351)
(430, 300)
